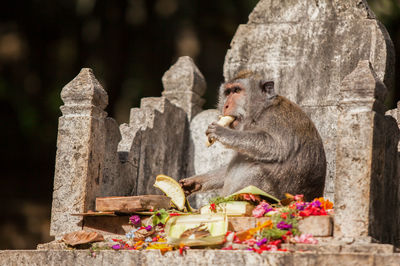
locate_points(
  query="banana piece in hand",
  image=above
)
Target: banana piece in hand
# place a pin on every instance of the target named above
(223, 121)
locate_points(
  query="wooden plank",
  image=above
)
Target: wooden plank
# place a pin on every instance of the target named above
(91, 213)
(132, 203)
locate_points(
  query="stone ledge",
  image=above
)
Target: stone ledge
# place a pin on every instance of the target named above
(192, 257)
(341, 248)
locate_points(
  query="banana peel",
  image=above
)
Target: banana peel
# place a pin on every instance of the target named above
(172, 189)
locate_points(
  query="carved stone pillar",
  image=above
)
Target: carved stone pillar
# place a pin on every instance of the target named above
(184, 85)
(80, 151)
(366, 144)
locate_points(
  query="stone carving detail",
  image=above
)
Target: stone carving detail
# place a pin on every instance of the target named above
(366, 180)
(156, 139)
(184, 85)
(308, 47)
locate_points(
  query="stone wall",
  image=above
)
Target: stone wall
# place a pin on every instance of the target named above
(95, 158)
(308, 47)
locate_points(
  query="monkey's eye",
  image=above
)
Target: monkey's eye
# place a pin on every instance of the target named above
(227, 92)
(236, 89)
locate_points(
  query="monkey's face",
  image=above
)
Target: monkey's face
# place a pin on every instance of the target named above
(234, 95)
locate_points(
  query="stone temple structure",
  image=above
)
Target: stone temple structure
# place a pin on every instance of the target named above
(332, 57)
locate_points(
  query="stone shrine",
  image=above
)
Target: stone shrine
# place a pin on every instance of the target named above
(332, 57)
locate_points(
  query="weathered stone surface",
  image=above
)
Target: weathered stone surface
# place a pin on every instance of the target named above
(340, 247)
(80, 149)
(184, 85)
(156, 139)
(309, 10)
(368, 248)
(316, 225)
(87, 163)
(112, 183)
(163, 144)
(154, 142)
(239, 224)
(308, 47)
(317, 248)
(192, 257)
(364, 179)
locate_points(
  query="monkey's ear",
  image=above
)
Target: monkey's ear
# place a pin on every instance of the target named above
(268, 87)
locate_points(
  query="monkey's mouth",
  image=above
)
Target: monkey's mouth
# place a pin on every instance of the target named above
(235, 122)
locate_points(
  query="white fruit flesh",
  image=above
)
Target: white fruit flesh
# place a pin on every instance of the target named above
(172, 189)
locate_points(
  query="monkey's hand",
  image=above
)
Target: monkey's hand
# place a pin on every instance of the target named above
(190, 185)
(215, 131)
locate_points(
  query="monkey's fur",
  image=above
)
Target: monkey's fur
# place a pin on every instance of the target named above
(278, 149)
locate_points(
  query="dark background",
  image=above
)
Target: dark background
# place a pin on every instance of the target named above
(129, 44)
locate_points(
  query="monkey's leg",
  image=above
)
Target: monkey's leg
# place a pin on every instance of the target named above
(204, 182)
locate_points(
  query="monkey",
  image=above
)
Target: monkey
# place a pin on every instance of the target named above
(277, 147)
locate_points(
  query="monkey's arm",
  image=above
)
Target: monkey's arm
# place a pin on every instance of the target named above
(256, 144)
(210, 180)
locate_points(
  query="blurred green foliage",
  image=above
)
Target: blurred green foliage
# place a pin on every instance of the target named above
(128, 43)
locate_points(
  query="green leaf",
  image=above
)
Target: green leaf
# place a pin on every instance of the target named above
(160, 216)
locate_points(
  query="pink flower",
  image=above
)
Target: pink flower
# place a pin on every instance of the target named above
(299, 197)
(261, 209)
(305, 239)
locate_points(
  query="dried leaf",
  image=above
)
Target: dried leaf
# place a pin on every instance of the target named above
(82, 237)
(142, 234)
(196, 233)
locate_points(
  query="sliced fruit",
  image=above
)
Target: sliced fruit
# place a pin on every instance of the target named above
(197, 230)
(232, 208)
(172, 189)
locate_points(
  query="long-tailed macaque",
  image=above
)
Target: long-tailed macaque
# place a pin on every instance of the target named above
(278, 148)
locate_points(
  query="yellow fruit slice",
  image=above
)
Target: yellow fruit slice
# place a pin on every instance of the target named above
(172, 189)
(231, 208)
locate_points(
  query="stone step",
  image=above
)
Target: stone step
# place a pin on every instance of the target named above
(192, 257)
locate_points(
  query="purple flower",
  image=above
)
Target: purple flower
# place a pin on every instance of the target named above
(135, 220)
(148, 228)
(300, 206)
(116, 247)
(267, 208)
(261, 242)
(158, 214)
(316, 203)
(283, 225)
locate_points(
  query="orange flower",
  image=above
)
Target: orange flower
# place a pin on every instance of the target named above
(325, 203)
(162, 247)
